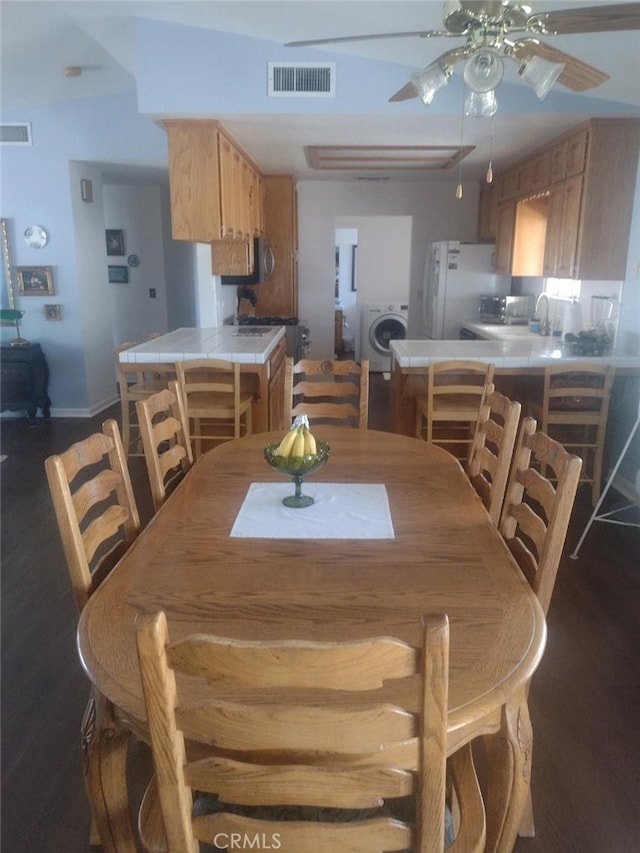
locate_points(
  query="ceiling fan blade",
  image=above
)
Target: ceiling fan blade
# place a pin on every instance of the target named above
(576, 75)
(589, 19)
(423, 34)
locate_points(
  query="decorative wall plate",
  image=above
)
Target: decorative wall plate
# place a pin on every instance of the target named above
(133, 261)
(36, 237)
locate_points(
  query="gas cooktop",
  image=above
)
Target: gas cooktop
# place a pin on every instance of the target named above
(253, 331)
(267, 321)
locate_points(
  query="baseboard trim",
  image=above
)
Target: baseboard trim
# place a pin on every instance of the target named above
(69, 413)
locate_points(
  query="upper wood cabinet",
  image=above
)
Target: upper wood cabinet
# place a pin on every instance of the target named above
(194, 181)
(279, 295)
(588, 178)
(563, 227)
(505, 237)
(216, 193)
(488, 214)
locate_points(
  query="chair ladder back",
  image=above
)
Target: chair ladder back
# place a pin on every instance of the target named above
(214, 400)
(448, 413)
(160, 693)
(137, 381)
(575, 409)
(491, 451)
(536, 514)
(165, 439)
(328, 391)
(111, 527)
(285, 750)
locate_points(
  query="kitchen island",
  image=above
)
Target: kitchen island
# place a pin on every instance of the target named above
(260, 350)
(519, 356)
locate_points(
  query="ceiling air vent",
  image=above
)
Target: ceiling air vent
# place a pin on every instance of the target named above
(302, 80)
(15, 133)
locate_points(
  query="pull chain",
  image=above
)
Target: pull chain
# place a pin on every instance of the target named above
(489, 177)
(459, 186)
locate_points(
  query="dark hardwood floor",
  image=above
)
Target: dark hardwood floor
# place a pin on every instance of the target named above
(585, 697)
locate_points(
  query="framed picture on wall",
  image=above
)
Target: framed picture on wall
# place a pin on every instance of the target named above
(35, 281)
(115, 241)
(53, 312)
(119, 274)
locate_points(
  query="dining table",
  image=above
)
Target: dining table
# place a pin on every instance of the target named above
(395, 531)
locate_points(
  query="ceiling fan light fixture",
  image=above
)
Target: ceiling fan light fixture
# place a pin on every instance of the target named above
(483, 71)
(430, 80)
(480, 104)
(540, 74)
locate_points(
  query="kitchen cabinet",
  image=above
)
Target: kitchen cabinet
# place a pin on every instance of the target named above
(540, 171)
(194, 181)
(277, 365)
(216, 194)
(587, 178)
(278, 296)
(488, 214)
(563, 221)
(505, 236)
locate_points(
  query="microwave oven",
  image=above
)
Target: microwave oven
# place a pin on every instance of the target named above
(506, 310)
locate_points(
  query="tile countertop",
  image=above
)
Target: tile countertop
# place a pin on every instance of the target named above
(508, 347)
(223, 342)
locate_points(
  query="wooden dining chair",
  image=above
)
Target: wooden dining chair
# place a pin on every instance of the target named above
(137, 382)
(217, 408)
(165, 437)
(574, 410)
(306, 772)
(534, 521)
(329, 392)
(98, 521)
(536, 511)
(448, 413)
(492, 449)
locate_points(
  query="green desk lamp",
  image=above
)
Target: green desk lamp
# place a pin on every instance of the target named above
(12, 317)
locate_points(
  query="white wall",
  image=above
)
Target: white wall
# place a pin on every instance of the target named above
(432, 209)
(137, 211)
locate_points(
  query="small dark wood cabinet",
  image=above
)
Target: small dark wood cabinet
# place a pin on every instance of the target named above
(25, 380)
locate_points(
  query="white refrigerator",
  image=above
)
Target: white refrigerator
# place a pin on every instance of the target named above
(456, 275)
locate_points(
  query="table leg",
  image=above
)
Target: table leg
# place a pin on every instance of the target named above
(104, 752)
(509, 774)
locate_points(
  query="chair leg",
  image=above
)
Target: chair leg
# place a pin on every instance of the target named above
(126, 422)
(94, 834)
(527, 828)
(509, 773)
(104, 751)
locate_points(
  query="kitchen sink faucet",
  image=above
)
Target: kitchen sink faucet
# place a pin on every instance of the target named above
(545, 325)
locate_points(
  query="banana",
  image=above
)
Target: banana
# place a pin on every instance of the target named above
(299, 441)
(310, 448)
(284, 448)
(297, 449)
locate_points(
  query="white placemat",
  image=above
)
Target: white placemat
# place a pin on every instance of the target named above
(339, 511)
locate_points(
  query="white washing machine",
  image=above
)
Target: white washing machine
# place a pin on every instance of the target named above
(381, 323)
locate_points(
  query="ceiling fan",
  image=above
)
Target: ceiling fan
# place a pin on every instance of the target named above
(488, 26)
